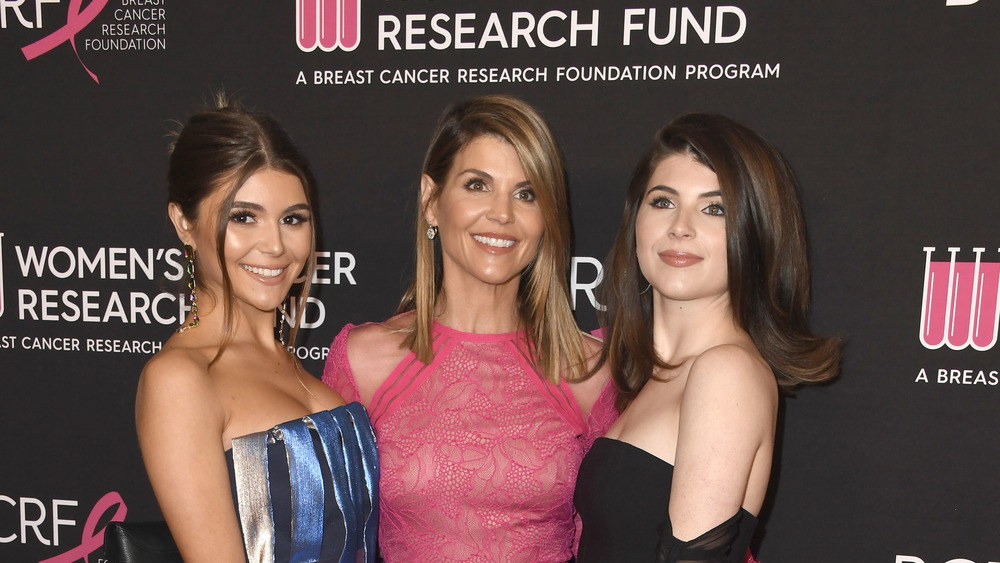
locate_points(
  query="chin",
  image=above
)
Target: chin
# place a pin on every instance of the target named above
(266, 303)
(677, 293)
(498, 280)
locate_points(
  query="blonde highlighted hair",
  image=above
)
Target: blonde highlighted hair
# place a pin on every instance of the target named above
(543, 294)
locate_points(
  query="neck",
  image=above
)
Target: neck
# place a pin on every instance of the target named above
(482, 308)
(684, 329)
(249, 325)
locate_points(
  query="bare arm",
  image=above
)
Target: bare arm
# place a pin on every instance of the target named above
(180, 422)
(725, 440)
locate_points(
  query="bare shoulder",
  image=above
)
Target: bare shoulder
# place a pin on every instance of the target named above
(373, 352)
(384, 338)
(725, 436)
(180, 420)
(176, 383)
(377, 346)
(732, 374)
(175, 369)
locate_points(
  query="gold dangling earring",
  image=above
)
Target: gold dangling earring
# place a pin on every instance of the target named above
(281, 323)
(432, 232)
(189, 254)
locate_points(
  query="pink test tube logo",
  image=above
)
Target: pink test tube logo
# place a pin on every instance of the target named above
(960, 302)
(328, 24)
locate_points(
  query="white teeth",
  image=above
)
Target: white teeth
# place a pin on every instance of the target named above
(266, 272)
(497, 242)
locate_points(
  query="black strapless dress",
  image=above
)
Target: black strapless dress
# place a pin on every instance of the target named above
(622, 495)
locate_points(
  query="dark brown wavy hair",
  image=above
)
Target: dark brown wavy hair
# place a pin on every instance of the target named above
(220, 149)
(767, 258)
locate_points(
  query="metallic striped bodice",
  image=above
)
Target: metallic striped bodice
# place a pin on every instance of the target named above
(307, 489)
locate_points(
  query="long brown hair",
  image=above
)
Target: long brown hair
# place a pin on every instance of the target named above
(766, 249)
(220, 149)
(543, 293)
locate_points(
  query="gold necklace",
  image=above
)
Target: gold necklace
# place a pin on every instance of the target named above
(295, 364)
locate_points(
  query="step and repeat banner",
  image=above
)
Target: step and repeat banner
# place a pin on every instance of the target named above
(888, 111)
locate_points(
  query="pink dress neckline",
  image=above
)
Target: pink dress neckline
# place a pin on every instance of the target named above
(477, 336)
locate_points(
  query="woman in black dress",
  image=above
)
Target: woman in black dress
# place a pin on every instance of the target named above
(706, 300)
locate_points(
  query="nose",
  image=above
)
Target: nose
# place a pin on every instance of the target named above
(501, 208)
(682, 226)
(271, 241)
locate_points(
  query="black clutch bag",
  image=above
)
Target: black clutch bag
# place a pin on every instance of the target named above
(140, 542)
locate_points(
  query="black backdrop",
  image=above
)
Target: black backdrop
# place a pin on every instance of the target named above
(888, 111)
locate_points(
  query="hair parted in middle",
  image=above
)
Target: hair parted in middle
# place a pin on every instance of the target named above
(767, 258)
(220, 149)
(543, 293)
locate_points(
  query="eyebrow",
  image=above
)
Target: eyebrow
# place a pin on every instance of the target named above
(260, 208)
(489, 176)
(669, 190)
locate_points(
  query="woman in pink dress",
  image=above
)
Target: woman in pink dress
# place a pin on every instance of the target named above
(477, 388)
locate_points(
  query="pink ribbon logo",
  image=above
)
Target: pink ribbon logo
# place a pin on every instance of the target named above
(93, 539)
(76, 20)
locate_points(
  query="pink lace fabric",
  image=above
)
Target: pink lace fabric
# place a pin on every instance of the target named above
(478, 454)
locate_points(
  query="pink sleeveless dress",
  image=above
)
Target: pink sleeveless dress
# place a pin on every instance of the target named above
(478, 454)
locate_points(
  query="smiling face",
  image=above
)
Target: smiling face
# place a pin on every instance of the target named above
(268, 241)
(680, 231)
(489, 222)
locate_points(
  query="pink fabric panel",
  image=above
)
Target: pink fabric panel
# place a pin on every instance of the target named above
(337, 371)
(478, 454)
